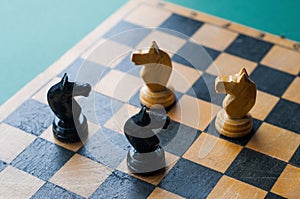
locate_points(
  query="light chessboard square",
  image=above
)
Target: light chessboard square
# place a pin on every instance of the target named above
(161, 193)
(274, 141)
(12, 142)
(169, 43)
(227, 64)
(107, 53)
(182, 77)
(212, 152)
(283, 59)
(81, 175)
(229, 187)
(214, 37)
(264, 105)
(288, 183)
(119, 85)
(194, 112)
(117, 121)
(18, 184)
(293, 91)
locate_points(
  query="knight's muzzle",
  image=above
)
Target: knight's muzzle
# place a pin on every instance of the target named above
(219, 85)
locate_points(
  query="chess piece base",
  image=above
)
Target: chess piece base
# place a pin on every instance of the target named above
(232, 127)
(70, 133)
(165, 98)
(146, 163)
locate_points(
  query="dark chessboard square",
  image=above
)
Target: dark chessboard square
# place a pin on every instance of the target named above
(178, 138)
(121, 185)
(271, 80)
(211, 129)
(195, 55)
(135, 99)
(286, 114)
(295, 160)
(42, 159)
(2, 165)
(49, 190)
(99, 108)
(126, 65)
(249, 48)
(181, 60)
(271, 195)
(127, 33)
(85, 71)
(178, 96)
(122, 26)
(107, 147)
(184, 25)
(72, 69)
(190, 180)
(204, 88)
(256, 169)
(211, 52)
(32, 117)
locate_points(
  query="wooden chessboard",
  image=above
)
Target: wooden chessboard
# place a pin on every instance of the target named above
(201, 163)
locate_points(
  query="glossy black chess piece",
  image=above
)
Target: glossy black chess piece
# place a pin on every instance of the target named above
(69, 124)
(146, 157)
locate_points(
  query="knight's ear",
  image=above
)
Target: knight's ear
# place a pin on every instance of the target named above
(154, 48)
(64, 80)
(243, 77)
(243, 72)
(151, 50)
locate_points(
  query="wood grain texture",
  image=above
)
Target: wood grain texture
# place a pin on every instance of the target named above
(12, 142)
(81, 175)
(230, 188)
(18, 184)
(212, 152)
(32, 117)
(288, 184)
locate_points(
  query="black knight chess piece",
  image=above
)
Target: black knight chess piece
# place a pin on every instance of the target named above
(69, 124)
(146, 157)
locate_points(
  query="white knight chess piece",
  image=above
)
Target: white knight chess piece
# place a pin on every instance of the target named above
(155, 73)
(233, 120)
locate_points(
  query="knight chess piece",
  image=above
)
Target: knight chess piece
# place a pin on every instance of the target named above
(234, 119)
(155, 73)
(69, 124)
(146, 156)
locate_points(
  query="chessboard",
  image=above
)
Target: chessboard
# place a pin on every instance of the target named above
(200, 162)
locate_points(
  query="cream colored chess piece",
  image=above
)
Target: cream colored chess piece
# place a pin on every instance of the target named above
(233, 120)
(155, 73)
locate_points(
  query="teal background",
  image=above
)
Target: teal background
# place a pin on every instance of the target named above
(35, 33)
